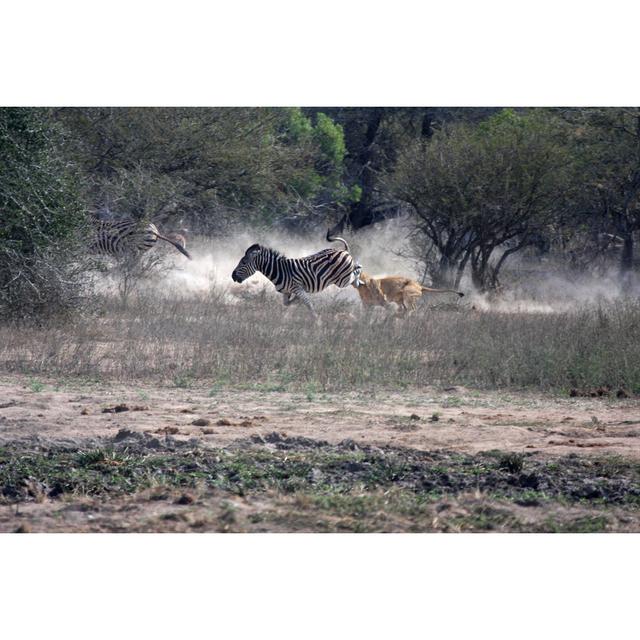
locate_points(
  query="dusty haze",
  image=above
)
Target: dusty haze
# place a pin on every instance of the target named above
(531, 285)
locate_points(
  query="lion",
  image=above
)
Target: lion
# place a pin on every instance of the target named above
(404, 291)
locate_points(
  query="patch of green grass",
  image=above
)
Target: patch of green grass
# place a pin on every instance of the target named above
(583, 524)
(183, 381)
(228, 513)
(452, 401)
(530, 498)
(35, 385)
(511, 462)
(485, 518)
(362, 505)
(360, 487)
(218, 385)
(311, 391)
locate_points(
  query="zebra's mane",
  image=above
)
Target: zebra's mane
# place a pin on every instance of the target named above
(259, 247)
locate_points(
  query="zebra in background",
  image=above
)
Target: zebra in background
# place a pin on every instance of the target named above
(298, 277)
(119, 238)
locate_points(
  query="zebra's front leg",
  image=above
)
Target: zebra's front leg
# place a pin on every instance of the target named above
(302, 295)
(288, 298)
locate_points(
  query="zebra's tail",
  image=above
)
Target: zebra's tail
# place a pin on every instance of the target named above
(332, 238)
(177, 245)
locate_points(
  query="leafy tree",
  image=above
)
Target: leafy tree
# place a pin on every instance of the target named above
(210, 166)
(481, 192)
(373, 137)
(607, 148)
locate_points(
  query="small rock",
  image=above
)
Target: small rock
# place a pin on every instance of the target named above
(201, 422)
(588, 491)
(414, 416)
(153, 443)
(246, 423)
(168, 430)
(529, 480)
(621, 393)
(84, 412)
(223, 422)
(207, 432)
(185, 498)
(123, 434)
(119, 408)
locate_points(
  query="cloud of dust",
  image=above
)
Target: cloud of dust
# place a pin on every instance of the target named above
(547, 286)
(377, 249)
(530, 285)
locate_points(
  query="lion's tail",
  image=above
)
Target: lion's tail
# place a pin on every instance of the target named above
(428, 290)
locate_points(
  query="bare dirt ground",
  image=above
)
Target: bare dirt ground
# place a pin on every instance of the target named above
(50, 416)
(455, 419)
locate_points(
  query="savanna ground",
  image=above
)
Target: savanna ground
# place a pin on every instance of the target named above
(227, 412)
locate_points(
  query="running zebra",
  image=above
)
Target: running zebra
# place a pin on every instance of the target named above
(298, 277)
(126, 237)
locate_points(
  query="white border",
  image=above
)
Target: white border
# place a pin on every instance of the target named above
(325, 53)
(319, 586)
(334, 52)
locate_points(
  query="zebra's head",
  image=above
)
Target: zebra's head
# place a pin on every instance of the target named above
(247, 266)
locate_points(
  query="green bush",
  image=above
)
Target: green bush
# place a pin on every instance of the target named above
(41, 216)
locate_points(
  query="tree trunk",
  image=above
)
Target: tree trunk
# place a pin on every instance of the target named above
(360, 214)
(479, 264)
(451, 266)
(426, 128)
(444, 276)
(626, 261)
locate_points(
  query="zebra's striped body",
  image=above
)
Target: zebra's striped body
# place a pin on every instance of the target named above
(128, 237)
(298, 277)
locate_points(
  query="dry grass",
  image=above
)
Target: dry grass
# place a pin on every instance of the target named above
(258, 342)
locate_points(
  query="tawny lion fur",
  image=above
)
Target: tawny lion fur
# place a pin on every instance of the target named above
(405, 292)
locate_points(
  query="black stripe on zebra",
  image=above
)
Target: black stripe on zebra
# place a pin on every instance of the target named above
(118, 238)
(298, 277)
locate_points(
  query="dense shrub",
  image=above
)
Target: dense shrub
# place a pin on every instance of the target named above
(41, 218)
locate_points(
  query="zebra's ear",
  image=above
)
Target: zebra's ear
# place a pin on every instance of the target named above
(251, 249)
